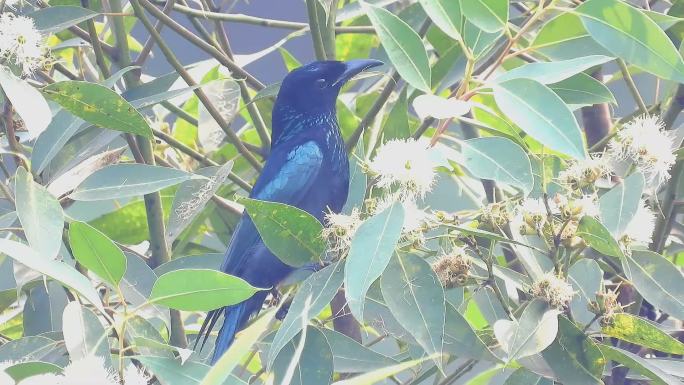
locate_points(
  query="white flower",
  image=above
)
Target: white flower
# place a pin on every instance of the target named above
(340, 230)
(89, 370)
(42, 379)
(534, 209)
(640, 229)
(414, 217)
(405, 164)
(21, 43)
(135, 376)
(645, 142)
(582, 173)
(586, 206)
(555, 290)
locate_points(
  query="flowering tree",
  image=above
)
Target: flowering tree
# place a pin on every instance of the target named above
(513, 215)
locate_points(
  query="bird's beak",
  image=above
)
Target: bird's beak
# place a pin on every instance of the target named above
(355, 67)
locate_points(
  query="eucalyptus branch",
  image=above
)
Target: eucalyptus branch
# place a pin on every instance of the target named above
(147, 48)
(316, 34)
(95, 41)
(632, 86)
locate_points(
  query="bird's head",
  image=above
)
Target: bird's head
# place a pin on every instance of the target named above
(313, 88)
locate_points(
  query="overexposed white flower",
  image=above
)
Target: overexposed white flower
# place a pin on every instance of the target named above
(340, 229)
(414, 216)
(89, 370)
(582, 173)
(21, 43)
(42, 379)
(554, 289)
(640, 229)
(406, 164)
(533, 208)
(135, 376)
(645, 141)
(587, 205)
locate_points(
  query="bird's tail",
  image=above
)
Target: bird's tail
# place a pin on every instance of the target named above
(236, 316)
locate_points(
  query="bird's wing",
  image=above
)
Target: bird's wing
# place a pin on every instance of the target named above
(288, 174)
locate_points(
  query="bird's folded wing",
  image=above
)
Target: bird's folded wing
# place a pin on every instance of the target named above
(286, 178)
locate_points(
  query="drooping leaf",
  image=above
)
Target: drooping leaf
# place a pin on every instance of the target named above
(98, 105)
(206, 261)
(292, 234)
(565, 38)
(642, 332)
(598, 237)
(84, 335)
(523, 376)
(369, 254)
(317, 290)
(461, 340)
(657, 279)
(97, 253)
(170, 371)
(40, 215)
(554, 71)
(415, 296)
(315, 364)
(350, 356)
(403, 46)
(29, 348)
(199, 290)
(136, 286)
(619, 204)
(498, 159)
(209, 132)
(378, 375)
(585, 276)
(582, 90)
(357, 179)
(396, 125)
(128, 180)
(542, 114)
(446, 14)
(57, 18)
(488, 15)
(27, 101)
(56, 270)
(574, 357)
(640, 42)
(533, 332)
(23, 370)
(43, 309)
(639, 365)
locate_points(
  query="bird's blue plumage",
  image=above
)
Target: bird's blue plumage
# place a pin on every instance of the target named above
(307, 168)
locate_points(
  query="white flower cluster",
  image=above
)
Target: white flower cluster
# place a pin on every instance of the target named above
(639, 231)
(339, 231)
(405, 164)
(553, 289)
(583, 173)
(21, 43)
(645, 142)
(88, 371)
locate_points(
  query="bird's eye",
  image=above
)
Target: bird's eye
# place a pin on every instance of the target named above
(321, 83)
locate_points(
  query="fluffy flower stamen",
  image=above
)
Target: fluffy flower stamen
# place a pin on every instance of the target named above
(405, 164)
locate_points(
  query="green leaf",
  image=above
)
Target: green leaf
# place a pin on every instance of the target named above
(292, 234)
(523, 376)
(211, 261)
(403, 45)
(564, 37)
(315, 364)
(27, 369)
(62, 127)
(128, 180)
(533, 332)
(28, 102)
(97, 253)
(585, 276)
(200, 290)
(397, 124)
(618, 206)
(43, 309)
(479, 41)
(56, 270)
(58, 18)
(498, 159)
(553, 71)
(638, 364)
(582, 90)
(369, 254)
(446, 14)
(574, 357)
(488, 15)
(98, 105)
(29, 348)
(416, 298)
(136, 287)
(357, 179)
(657, 279)
(640, 41)
(542, 114)
(84, 335)
(598, 237)
(318, 290)
(40, 215)
(171, 372)
(350, 356)
(461, 340)
(636, 330)
(378, 375)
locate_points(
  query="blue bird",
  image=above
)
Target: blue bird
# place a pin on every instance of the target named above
(307, 168)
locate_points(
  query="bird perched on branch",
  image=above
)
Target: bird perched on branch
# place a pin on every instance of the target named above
(307, 168)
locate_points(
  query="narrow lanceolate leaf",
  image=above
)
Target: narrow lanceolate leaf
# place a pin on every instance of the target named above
(316, 291)
(574, 357)
(523, 376)
(292, 234)
(640, 42)
(498, 159)
(533, 332)
(416, 298)
(642, 332)
(128, 180)
(314, 366)
(542, 114)
(378, 375)
(27, 101)
(84, 335)
(370, 252)
(657, 279)
(350, 356)
(56, 270)
(40, 215)
(200, 290)
(98, 105)
(23, 370)
(97, 252)
(488, 15)
(57, 18)
(618, 206)
(582, 90)
(639, 365)
(170, 371)
(446, 14)
(598, 237)
(403, 45)
(554, 71)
